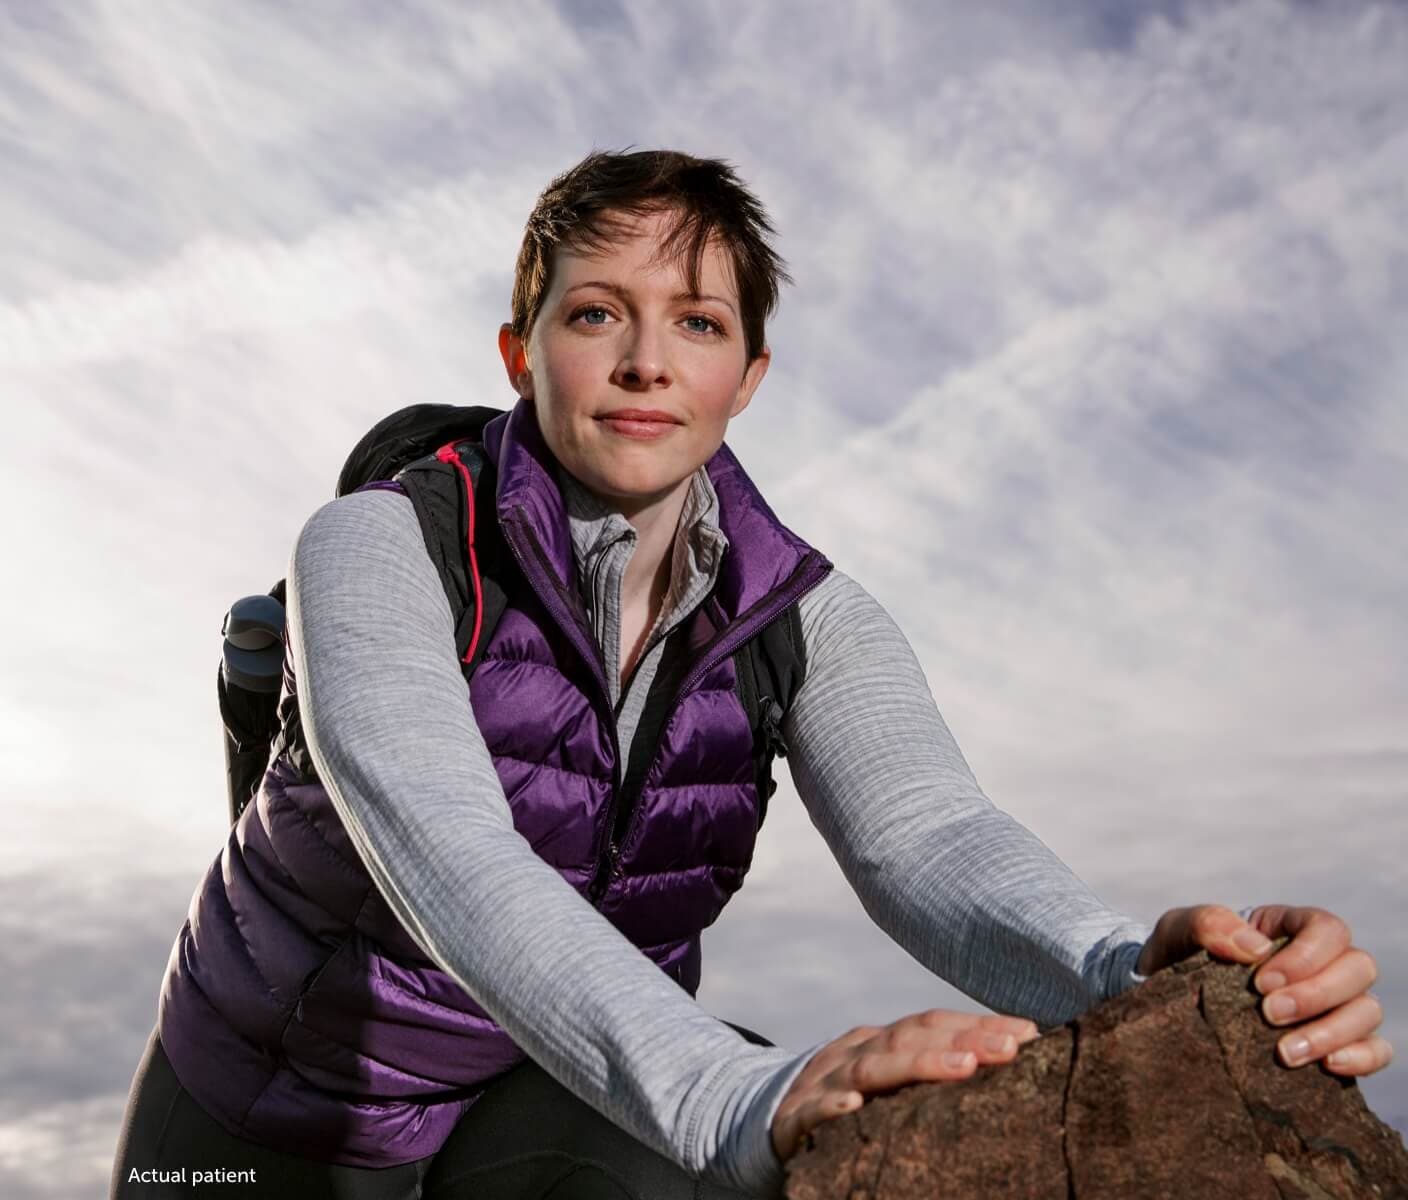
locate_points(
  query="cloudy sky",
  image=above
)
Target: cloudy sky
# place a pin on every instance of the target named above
(1093, 374)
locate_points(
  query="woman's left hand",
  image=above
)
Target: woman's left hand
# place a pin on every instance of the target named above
(1316, 974)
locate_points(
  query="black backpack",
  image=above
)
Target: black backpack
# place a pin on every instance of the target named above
(434, 452)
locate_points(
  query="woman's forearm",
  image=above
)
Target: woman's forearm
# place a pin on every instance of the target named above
(970, 892)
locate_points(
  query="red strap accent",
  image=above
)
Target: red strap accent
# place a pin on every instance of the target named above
(447, 454)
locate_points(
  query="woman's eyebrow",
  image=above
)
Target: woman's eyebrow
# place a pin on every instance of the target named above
(617, 290)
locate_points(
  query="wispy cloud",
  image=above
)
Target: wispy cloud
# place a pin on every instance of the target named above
(1091, 376)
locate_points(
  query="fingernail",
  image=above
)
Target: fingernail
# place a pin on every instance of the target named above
(1251, 941)
(1338, 1059)
(1269, 981)
(1281, 1008)
(1000, 1043)
(956, 1058)
(1295, 1050)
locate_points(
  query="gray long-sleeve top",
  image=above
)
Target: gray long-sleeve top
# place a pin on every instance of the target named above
(961, 885)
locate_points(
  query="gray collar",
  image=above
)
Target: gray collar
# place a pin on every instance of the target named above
(699, 541)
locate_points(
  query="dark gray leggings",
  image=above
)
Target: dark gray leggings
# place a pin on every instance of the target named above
(526, 1138)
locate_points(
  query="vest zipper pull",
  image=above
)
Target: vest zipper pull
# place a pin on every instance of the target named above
(603, 879)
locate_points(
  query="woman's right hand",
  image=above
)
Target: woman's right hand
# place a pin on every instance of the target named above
(870, 1060)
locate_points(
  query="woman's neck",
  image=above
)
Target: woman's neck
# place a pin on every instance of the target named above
(647, 576)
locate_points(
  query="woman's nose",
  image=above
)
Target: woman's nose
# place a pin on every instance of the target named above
(642, 358)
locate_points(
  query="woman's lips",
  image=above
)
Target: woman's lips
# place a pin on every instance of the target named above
(644, 430)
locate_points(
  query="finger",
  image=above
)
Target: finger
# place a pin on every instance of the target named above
(950, 1021)
(883, 1071)
(1269, 918)
(921, 1031)
(1317, 939)
(836, 1052)
(1221, 932)
(1348, 1023)
(827, 1105)
(1350, 975)
(990, 1045)
(897, 1043)
(942, 1027)
(992, 1038)
(822, 1105)
(1363, 1057)
(1019, 1027)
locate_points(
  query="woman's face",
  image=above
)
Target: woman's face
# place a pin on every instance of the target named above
(611, 335)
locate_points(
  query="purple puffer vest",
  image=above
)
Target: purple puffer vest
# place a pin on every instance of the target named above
(297, 1010)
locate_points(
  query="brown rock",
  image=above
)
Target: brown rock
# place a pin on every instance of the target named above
(1170, 1090)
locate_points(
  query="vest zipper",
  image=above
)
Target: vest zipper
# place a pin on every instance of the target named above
(802, 581)
(311, 982)
(548, 590)
(596, 570)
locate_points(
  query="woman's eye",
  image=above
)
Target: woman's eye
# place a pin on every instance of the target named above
(714, 326)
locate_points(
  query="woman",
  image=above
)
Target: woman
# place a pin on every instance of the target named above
(452, 949)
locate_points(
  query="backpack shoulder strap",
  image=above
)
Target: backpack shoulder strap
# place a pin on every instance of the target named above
(452, 491)
(770, 667)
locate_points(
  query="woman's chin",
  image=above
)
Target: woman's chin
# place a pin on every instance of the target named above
(633, 488)
(638, 492)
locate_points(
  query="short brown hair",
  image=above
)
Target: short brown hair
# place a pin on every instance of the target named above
(581, 210)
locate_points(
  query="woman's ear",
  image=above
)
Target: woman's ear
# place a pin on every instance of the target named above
(751, 378)
(514, 351)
